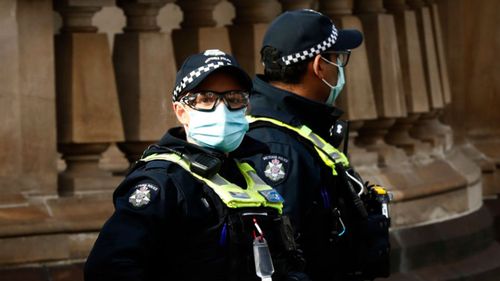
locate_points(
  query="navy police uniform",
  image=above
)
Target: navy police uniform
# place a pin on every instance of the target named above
(328, 229)
(188, 213)
(302, 178)
(341, 223)
(168, 225)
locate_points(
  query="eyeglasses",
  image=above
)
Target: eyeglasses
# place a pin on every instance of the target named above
(208, 100)
(337, 58)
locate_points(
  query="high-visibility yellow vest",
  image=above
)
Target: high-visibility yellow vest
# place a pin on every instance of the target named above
(257, 193)
(328, 154)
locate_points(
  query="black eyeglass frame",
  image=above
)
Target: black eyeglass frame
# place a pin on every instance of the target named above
(191, 96)
(345, 52)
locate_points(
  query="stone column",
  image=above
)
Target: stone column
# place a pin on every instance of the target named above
(247, 32)
(413, 78)
(385, 70)
(145, 71)
(27, 101)
(198, 31)
(428, 128)
(442, 64)
(88, 113)
(357, 98)
(444, 130)
(37, 89)
(10, 99)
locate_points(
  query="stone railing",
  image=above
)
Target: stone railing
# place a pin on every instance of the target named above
(98, 75)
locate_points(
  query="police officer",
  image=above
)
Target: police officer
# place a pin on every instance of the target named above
(188, 210)
(340, 226)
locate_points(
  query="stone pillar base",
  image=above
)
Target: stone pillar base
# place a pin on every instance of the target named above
(83, 173)
(399, 136)
(372, 138)
(69, 186)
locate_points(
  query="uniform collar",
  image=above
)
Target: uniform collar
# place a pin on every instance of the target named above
(175, 138)
(290, 108)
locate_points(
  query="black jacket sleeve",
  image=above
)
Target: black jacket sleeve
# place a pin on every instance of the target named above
(125, 248)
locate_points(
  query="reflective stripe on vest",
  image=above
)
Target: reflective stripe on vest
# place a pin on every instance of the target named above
(328, 154)
(257, 194)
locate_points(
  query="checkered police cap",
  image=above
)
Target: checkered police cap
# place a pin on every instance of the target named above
(197, 67)
(302, 34)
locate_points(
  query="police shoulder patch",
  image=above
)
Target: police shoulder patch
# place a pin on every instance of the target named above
(276, 168)
(143, 194)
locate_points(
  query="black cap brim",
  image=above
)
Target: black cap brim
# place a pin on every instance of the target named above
(243, 77)
(347, 39)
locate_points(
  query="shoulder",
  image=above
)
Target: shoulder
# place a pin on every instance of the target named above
(289, 158)
(150, 183)
(272, 133)
(283, 141)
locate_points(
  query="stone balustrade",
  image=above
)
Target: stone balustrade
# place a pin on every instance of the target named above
(74, 91)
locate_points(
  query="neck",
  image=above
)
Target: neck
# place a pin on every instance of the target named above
(297, 89)
(303, 89)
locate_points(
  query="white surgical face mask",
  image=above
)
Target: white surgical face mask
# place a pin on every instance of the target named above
(335, 90)
(221, 129)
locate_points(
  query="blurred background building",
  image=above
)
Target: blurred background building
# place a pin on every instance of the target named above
(86, 86)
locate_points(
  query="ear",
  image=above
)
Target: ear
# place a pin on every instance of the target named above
(318, 67)
(181, 113)
(248, 109)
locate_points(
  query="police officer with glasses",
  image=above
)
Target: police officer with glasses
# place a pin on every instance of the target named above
(341, 222)
(188, 210)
